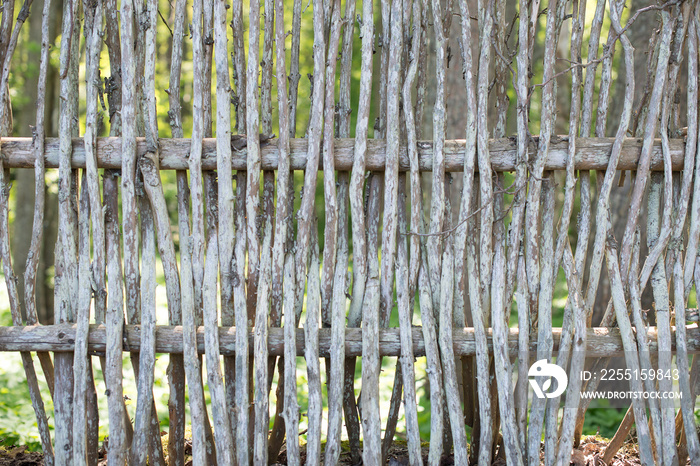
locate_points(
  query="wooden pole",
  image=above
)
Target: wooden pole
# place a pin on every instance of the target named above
(60, 338)
(591, 154)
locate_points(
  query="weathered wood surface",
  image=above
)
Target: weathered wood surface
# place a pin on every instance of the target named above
(591, 154)
(61, 338)
(466, 264)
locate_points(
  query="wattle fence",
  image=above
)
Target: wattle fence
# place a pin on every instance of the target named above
(447, 250)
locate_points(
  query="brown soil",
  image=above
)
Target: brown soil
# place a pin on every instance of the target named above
(590, 453)
(19, 456)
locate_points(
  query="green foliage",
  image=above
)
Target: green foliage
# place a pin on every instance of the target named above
(603, 419)
(17, 420)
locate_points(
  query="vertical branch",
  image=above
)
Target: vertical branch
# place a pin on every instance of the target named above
(191, 358)
(545, 342)
(430, 337)
(222, 424)
(33, 255)
(501, 70)
(129, 212)
(391, 173)
(460, 245)
(448, 359)
(146, 423)
(486, 16)
(662, 306)
(371, 362)
(404, 304)
(145, 408)
(115, 322)
(241, 317)
(253, 162)
(344, 98)
(522, 387)
(8, 12)
(416, 56)
(266, 63)
(305, 213)
(173, 91)
(562, 242)
(469, 156)
(201, 190)
(239, 67)
(195, 157)
(352, 421)
(113, 83)
(91, 206)
(291, 405)
(535, 184)
(337, 346)
(500, 317)
(578, 358)
(391, 202)
(334, 269)
(130, 94)
(225, 234)
(176, 375)
(311, 354)
(208, 47)
(422, 78)
(515, 245)
(568, 427)
(281, 235)
(589, 82)
(359, 240)
(606, 75)
(694, 230)
(192, 245)
(437, 205)
(383, 40)
(67, 288)
(294, 75)
(262, 308)
(480, 323)
(569, 190)
(486, 188)
(642, 343)
(148, 165)
(329, 191)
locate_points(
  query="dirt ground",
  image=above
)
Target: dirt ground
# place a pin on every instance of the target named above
(590, 453)
(19, 456)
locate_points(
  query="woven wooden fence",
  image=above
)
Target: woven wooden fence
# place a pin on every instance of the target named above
(253, 288)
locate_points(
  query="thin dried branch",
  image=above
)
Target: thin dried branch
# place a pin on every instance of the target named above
(311, 354)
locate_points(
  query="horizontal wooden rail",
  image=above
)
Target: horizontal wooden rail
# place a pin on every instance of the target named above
(591, 154)
(61, 338)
